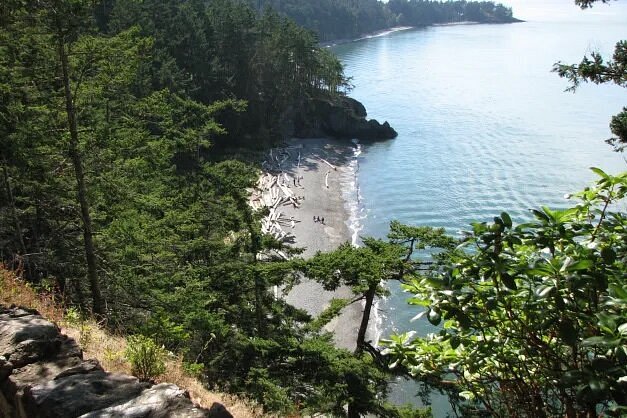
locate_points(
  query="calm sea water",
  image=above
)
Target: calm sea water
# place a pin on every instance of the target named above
(483, 124)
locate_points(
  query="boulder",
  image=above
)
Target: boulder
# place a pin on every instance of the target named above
(78, 394)
(160, 401)
(26, 338)
(35, 373)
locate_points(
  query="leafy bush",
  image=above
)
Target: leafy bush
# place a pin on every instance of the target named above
(75, 318)
(534, 316)
(194, 369)
(147, 358)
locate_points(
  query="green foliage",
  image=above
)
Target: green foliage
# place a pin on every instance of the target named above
(335, 308)
(147, 358)
(73, 317)
(194, 369)
(533, 315)
(408, 411)
(221, 49)
(340, 19)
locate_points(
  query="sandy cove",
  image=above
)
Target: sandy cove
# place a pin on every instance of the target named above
(318, 167)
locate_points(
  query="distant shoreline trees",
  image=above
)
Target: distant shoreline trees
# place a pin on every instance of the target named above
(349, 19)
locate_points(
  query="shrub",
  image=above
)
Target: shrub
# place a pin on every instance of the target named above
(147, 358)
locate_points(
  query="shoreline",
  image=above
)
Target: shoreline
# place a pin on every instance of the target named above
(387, 31)
(318, 171)
(375, 34)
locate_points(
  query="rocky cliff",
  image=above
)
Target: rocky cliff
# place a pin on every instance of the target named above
(339, 117)
(43, 375)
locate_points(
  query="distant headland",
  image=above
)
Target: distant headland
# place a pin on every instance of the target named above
(336, 21)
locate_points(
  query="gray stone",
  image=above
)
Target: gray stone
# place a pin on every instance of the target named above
(35, 373)
(15, 330)
(25, 338)
(68, 348)
(16, 311)
(160, 401)
(78, 394)
(31, 351)
(87, 366)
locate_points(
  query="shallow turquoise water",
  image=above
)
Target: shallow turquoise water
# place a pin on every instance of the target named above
(484, 126)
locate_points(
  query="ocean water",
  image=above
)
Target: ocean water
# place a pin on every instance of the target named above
(484, 126)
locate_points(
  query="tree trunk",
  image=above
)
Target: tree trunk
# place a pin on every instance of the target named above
(16, 219)
(90, 252)
(361, 335)
(352, 411)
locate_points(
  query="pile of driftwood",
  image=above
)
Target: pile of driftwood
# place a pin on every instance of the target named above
(277, 157)
(273, 192)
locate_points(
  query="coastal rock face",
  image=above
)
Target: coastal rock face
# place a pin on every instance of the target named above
(342, 117)
(43, 375)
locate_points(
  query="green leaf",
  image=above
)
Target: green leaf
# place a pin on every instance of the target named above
(509, 281)
(540, 215)
(601, 341)
(599, 172)
(506, 219)
(608, 255)
(580, 265)
(455, 342)
(544, 290)
(618, 291)
(468, 395)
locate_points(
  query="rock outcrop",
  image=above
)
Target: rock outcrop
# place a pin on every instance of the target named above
(342, 117)
(43, 375)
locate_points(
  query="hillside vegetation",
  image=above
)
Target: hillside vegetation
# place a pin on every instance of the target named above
(119, 198)
(349, 19)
